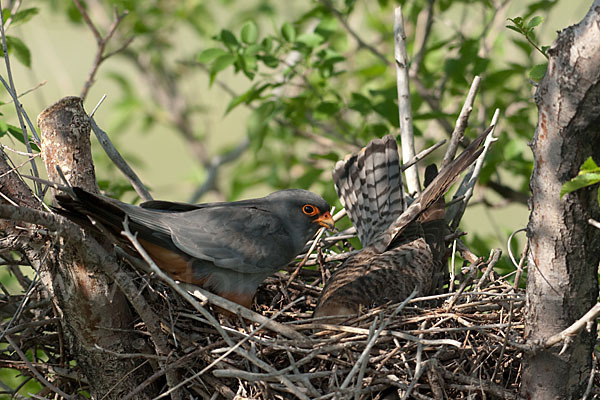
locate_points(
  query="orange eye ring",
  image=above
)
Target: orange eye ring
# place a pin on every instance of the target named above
(310, 210)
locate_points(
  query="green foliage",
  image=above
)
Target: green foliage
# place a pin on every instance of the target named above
(526, 28)
(589, 174)
(17, 133)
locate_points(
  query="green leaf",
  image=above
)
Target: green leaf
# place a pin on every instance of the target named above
(589, 166)
(17, 133)
(518, 21)
(220, 64)
(257, 123)
(249, 65)
(327, 108)
(580, 181)
(538, 71)
(288, 32)
(361, 103)
(267, 44)
(310, 39)
(535, 21)
(270, 61)
(209, 55)
(20, 50)
(512, 28)
(24, 15)
(330, 156)
(327, 27)
(228, 38)
(236, 101)
(512, 149)
(308, 178)
(249, 32)
(5, 14)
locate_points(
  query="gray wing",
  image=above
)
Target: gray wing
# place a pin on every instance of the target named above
(248, 240)
(369, 185)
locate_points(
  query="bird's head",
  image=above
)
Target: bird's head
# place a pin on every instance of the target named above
(304, 211)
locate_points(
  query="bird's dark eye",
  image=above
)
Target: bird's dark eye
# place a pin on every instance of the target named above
(310, 210)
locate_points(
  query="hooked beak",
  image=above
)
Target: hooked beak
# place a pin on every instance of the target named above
(325, 220)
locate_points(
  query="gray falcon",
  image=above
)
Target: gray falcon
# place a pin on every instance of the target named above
(228, 248)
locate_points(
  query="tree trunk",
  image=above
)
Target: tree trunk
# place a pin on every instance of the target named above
(563, 260)
(94, 312)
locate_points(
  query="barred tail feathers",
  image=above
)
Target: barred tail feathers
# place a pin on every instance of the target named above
(369, 184)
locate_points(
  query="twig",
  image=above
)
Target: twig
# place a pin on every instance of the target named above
(452, 267)
(214, 165)
(465, 252)
(594, 223)
(373, 339)
(574, 328)
(25, 299)
(242, 311)
(461, 123)
(404, 107)
(363, 361)
(10, 87)
(33, 89)
(230, 350)
(494, 258)
(120, 162)
(21, 153)
(422, 154)
(466, 187)
(98, 105)
(505, 342)
(33, 370)
(356, 36)
(101, 43)
(472, 271)
(418, 373)
(421, 41)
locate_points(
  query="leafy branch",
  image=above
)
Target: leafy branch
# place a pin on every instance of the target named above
(526, 28)
(589, 174)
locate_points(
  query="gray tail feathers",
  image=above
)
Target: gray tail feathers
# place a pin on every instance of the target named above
(80, 204)
(369, 185)
(438, 186)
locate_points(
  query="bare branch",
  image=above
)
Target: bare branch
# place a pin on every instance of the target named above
(101, 42)
(594, 223)
(215, 164)
(466, 187)
(35, 372)
(404, 108)
(88, 21)
(356, 36)
(572, 330)
(421, 40)
(461, 123)
(18, 106)
(120, 162)
(422, 154)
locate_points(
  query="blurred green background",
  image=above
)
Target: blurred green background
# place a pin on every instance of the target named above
(63, 50)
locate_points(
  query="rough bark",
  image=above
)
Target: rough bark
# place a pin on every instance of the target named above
(563, 260)
(92, 310)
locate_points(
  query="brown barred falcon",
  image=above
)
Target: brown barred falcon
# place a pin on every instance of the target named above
(403, 248)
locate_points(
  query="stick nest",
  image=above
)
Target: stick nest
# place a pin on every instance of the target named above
(464, 344)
